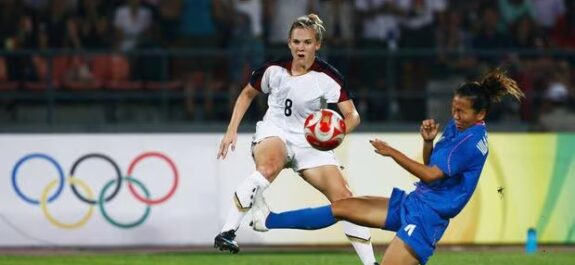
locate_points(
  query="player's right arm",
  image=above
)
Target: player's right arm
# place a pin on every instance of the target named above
(423, 172)
(242, 104)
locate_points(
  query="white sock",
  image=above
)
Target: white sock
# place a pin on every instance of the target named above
(243, 199)
(360, 239)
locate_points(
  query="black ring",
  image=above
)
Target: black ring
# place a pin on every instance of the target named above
(101, 156)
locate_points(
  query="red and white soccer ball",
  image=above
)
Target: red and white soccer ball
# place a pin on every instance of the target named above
(324, 129)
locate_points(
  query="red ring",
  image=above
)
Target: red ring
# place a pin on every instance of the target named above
(143, 198)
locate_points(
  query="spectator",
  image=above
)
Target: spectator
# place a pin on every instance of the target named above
(547, 12)
(199, 21)
(339, 21)
(246, 44)
(556, 115)
(247, 49)
(453, 43)
(56, 27)
(489, 37)
(199, 30)
(469, 11)
(11, 11)
(52, 28)
(131, 22)
(378, 28)
(512, 10)
(280, 14)
(526, 35)
(93, 25)
(378, 22)
(418, 20)
(17, 32)
(417, 29)
(36, 5)
(563, 33)
(169, 20)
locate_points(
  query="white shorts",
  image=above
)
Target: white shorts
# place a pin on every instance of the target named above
(300, 154)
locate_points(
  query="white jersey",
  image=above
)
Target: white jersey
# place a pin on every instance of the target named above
(292, 98)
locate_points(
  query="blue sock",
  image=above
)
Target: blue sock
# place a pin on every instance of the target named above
(307, 219)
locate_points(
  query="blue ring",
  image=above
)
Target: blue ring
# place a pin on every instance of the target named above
(45, 157)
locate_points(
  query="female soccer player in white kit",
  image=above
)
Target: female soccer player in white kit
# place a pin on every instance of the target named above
(296, 87)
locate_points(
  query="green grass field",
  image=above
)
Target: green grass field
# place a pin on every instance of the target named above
(283, 258)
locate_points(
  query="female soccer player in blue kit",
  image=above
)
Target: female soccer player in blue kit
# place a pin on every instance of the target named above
(448, 177)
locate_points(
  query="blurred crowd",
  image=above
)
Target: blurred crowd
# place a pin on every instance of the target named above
(213, 45)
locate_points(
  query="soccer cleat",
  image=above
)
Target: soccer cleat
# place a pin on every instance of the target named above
(225, 241)
(260, 212)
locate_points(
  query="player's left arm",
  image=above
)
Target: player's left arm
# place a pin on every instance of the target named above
(350, 114)
(425, 173)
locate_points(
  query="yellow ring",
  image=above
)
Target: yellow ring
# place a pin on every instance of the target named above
(44, 206)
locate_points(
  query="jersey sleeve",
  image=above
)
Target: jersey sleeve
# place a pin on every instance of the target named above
(332, 93)
(464, 155)
(336, 89)
(260, 79)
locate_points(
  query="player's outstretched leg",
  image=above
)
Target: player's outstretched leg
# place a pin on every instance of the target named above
(311, 219)
(242, 202)
(225, 241)
(307, 219)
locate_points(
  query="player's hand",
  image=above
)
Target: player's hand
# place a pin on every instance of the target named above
(229, 139)
(429, 129)
(381, 147)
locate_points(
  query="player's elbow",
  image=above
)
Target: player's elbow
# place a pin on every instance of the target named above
(357, 119)
(352, 121)
(432, 174)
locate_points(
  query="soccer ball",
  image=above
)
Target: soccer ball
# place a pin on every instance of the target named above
(324, 129)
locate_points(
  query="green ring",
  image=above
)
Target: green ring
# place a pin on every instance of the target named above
(101, 200)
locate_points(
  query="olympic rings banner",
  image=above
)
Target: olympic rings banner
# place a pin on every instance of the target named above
(100, 199)
(169, 189)
(105, 189)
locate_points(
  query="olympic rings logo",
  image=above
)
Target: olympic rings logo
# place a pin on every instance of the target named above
(50, 193)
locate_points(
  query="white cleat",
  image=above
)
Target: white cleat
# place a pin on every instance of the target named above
(260, 212)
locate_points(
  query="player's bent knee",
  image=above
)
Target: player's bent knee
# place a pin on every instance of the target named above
(340, 209)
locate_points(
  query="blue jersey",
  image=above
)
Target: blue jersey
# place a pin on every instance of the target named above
(460, 155)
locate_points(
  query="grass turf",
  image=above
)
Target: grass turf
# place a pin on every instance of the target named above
(281, 258)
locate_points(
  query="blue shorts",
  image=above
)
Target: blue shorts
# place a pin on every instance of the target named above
(416, 224)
